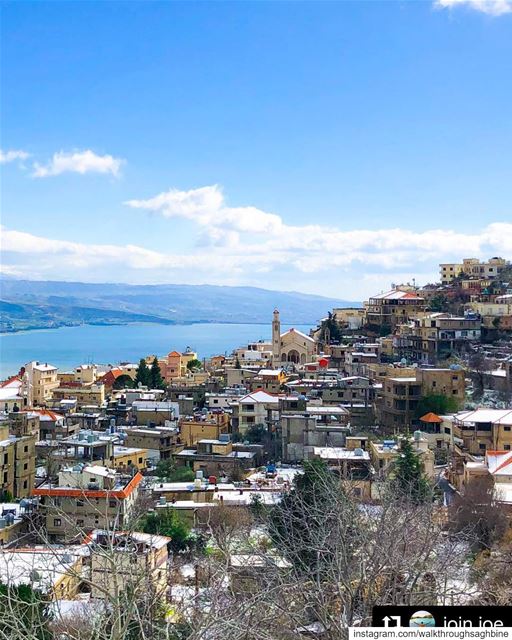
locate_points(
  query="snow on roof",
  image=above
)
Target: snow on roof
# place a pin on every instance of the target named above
(9, 393)
(259, 397)
(299, 333)
(14, 382)
(499, 463)
(338, 453)
(397, 294)
(496, 416)
(38, 566)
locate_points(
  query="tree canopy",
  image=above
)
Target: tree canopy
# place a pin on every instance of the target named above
(155, 376)
(168, 522)
(408, 478)
(143, 376)
(436, 403)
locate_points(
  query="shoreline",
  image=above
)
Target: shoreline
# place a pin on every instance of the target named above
(16, 332)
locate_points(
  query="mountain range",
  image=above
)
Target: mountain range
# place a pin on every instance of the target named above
(36, 304)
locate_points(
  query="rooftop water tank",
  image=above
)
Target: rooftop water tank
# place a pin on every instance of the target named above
(417, 435)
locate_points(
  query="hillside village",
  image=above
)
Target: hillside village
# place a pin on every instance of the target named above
(181, 492)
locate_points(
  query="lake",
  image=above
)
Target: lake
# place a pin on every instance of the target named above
(68, 347)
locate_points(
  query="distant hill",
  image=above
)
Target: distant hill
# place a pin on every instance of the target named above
(31, 304)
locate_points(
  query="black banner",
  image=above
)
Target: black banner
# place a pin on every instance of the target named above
(424, 617)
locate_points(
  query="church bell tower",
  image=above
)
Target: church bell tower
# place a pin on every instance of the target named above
(276, 338)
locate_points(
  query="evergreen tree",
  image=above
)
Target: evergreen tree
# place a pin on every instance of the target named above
(237, 364)
(436, 403)
(408, 479)
(168, 522)
(143, 376)
(155, 376)
(24, 610)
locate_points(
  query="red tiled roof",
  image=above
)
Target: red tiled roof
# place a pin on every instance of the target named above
(45, 412)
(431, 417)
(6, 383)
(111, 376)
(91, 493)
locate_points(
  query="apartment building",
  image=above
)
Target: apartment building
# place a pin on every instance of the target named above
(86, 498)
(159, 441)
(18, 435)
(54, 573)
(386, 310)
(436, 337)
(481, 430)
(384, 454)
(123, 560)
(472, 267)
(397, 409)
(254, 409)
(39, 382)
(315, 426)
(90, 394)
(220, 457)
(203, 426)
(153, 412)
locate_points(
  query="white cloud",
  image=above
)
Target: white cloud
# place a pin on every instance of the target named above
(491, 7)
(206, 206)
(13, 155)
(78, 162)
(326, 260)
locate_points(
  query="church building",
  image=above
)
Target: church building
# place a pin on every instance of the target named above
(292, 346)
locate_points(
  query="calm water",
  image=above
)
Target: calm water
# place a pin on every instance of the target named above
(70, 346)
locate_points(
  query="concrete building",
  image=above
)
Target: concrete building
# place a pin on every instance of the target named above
(316, 426)
(386, 310)
(481, 430)
(384, 454)
(220, 457)
(18, 435)
(56, 574)
(472, 267)
(86, 498)
(84, 394)
(254, 409)
(397, 407)
(436, 337)
(159, 441)
(203, 426)
(122, 560)
(39, 382)
(154, 412)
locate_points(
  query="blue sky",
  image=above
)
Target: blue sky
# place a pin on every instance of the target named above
(323, 147)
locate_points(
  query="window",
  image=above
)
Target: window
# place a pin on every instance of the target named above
(506, 428)
(6, 458)
(112, 504)
(25, 448)
(506, 447)
(454, 392)
(79, 503)
(25, 484)
(80, 523)
(57, 522)
(481, 445)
